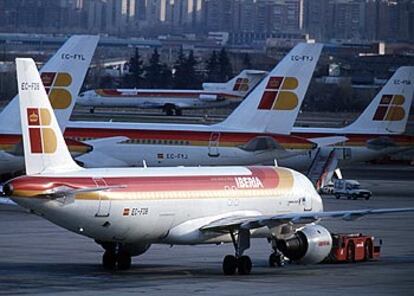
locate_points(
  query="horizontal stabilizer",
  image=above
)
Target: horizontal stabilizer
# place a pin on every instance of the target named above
(67, 194)
(100, 159)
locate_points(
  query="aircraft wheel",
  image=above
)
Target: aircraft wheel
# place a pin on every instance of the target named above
(338, 196)
(109, 260)
(368, 250)
(123, 260)
(350, 252)
(229, 265)
(276, 259)
(244, 265)
(169, 109)
(178, 112)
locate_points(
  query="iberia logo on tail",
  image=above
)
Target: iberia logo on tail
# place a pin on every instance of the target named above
(42, 137)
(242, 84)
(56, 85)
(390, 108)
(279, 94)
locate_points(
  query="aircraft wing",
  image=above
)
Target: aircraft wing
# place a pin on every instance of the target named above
(327, 141)
(106, 141)
(4, 156)
(253, 222)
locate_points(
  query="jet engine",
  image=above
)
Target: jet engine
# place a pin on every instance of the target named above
(209, 98)
(309, 245)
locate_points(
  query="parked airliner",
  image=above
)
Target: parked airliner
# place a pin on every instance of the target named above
(212, 95)
(256, 132)
(126, 210)
(378, 131)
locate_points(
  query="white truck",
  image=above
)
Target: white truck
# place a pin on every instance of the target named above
(350, 189)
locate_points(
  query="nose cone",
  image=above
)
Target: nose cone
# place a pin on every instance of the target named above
(8, 189)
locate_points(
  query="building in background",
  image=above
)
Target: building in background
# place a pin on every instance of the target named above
(245, 21)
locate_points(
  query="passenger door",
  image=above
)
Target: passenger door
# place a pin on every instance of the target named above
(213, 145)
(104, 203)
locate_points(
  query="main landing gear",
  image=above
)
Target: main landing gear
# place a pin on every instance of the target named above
(115, 257)
(276, 258)
(238, 262)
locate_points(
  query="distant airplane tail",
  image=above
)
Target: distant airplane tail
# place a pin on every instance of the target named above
(389, 110)
(239, 85)
(274, 104)
(45, 149)
(63, 76)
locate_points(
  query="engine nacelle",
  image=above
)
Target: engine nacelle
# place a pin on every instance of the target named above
(309, 245)
(208, 97)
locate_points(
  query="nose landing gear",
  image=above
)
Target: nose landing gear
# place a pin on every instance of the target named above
(115, 257)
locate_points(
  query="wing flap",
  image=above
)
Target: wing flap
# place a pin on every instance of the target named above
(293, 218)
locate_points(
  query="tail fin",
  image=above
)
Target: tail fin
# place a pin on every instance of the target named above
(239, 85)
(45, 149)
(63, 76)
(389, 110)
(275, 103)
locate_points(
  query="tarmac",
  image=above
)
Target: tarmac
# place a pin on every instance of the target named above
(37, 257)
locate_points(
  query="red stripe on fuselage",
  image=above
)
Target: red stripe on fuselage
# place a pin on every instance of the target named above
(268, 177)
(111, 94)
(17, 139)
(174, 135)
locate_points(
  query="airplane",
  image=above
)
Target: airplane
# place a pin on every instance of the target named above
(256, 131)
(125, 210)
(63, 76)
(212, 95)
(378, 131)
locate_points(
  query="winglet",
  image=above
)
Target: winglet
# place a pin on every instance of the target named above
(45, 149)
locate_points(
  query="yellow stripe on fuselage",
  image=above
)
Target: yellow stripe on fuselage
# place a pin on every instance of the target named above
(169, 195)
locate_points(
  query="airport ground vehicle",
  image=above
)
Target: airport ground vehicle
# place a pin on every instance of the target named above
(327, 189)
(350, 189)
(353, 247)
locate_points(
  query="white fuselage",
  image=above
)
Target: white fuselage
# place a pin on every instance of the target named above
(148, 99)
(158, 153)
(171, 216)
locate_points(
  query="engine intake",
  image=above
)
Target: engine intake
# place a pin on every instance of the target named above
(209, 97)
(7, 189)
(309, 245)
